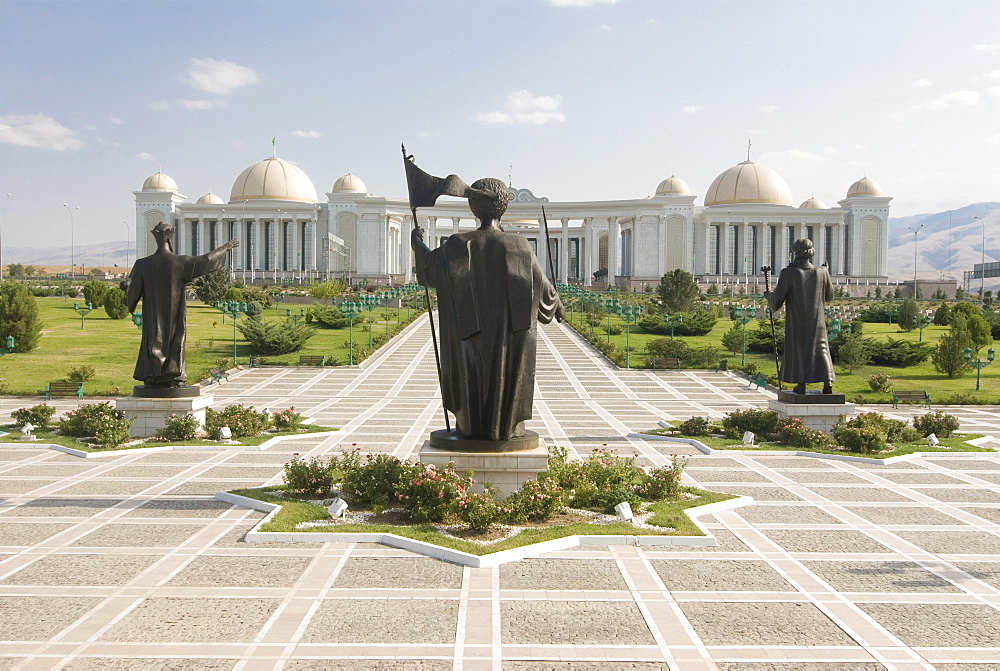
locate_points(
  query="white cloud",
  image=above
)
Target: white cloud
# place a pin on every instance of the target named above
(921, 83)
(992, 74)
(89, 126)
(994, 92)
(793, 156)
(523, 107)
(989, 48)
(145, 156)
(159, 105)
(692, 109)
(580, 3)
(198, 104)
(768, 109)
(965, 97)
(116, 121)
(306, 133)
(605, 26)
(37, 130)
(222, 77)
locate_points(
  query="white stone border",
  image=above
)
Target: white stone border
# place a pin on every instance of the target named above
(471, 560)
(167, 448)
(705, 449)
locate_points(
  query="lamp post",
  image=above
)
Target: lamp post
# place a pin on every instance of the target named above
(8, 345)
(137, 320)
(369, 301)
(673, 321)
(295, 318)
(611, 305)
(83, 312)
(982, 264)
(630, 314)
(72, 243)
(979, 364)
(234, 309)
(915, 231)
(920, 321)
(1, 246)
(743, 317)
(351, 310)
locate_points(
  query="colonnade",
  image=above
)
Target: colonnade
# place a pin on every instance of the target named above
(265, 243)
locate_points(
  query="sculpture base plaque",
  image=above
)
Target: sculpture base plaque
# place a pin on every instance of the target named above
(819, 412)
(151, 414)
(506, 471)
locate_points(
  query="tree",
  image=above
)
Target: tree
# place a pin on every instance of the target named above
(980, 332)
(30, 271)
(678, 291)
(329, 316)
(853, 353)
(949, 358)
(959, 294)
(965, 309)
(325, 291)
(114, 303)
(908, 309)
(15, 270)
(94, 291)
(212, 287)
(733, 339)
(941, 315)
(19, 316)
(277, 336)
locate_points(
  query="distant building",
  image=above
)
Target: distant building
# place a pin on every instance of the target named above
(748, 220)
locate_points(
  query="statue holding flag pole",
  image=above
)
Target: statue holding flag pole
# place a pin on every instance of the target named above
(492, 292)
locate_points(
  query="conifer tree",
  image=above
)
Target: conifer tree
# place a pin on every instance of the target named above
(19, 316)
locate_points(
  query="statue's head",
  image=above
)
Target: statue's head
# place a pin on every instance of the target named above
(802, 250)
(488, 198)
(163, 231)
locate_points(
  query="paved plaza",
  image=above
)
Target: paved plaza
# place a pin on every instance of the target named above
(128, 562)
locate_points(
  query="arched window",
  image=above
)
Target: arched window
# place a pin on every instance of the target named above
(602, 253)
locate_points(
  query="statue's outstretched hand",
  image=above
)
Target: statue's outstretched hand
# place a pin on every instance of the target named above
(417, 234)
(560, 312)
(232, 244)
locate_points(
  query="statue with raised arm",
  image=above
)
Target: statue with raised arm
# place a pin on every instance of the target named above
(492, 293)
(159, 281)
(804, 289)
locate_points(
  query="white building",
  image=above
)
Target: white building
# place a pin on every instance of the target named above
(748, 220)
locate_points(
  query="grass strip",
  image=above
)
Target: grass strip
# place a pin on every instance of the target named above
(48, 435)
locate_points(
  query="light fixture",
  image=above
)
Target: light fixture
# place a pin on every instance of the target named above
(748, 437)
(932, 440)
(663, 425)
(226, 433)
(337, 508)
(624, 511)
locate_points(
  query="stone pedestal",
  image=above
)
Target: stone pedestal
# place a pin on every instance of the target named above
(819, 412)
(506, 471)
(151, 413)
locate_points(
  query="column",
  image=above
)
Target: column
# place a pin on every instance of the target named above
(564, 255)
(543, 250)
(587, 252)
(432, 232)
(724, 267)
(614, 232)
(781, 248)
(259, 242)
(454, 225)
(661, 246)
(407, 250)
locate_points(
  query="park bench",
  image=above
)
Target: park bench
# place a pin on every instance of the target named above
(256, 361)
(723, 365)
(218, 375)
(311, 361)
(665, 362)
(760, 379)
(911, 396)
(64, 388)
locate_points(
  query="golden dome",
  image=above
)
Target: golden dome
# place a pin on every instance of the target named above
(349, 183)
(273, 179)
(210, 199)
(813, 203)
(159, 182)
(749, 182)
(865, 187)
(672, 186)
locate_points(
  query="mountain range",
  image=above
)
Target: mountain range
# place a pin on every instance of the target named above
(947, 243)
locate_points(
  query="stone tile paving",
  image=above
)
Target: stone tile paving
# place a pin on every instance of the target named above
(127, 562)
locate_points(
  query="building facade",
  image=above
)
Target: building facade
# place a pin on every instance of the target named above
(747, 220)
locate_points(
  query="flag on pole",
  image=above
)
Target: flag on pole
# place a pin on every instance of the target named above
(274, 149)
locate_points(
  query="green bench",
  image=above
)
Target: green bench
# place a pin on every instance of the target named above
(911, 397)
(760, 379)
(218, 375)
(665, 363)
(311, 361)
(64, 388)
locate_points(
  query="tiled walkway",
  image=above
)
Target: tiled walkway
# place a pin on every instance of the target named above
(126, 562)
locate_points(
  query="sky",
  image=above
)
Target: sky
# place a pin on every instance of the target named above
(572, 99)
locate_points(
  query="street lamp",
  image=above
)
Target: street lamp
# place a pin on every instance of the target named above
(629, 314)
(8, 346)
(295, 318)
(915, 231)
(982, 264)
(83, 312)
(611, 305)
(920, 321)
(369, 302)
(673, 321)
(234, 309)
(351, 310)
(137, 320)
(72, 244)
(979, 364)
(738, 316)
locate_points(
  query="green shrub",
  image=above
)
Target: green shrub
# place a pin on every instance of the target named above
(241, 420)
(277, 336)
(19, 316)
(38, 415)
(430, 493)
(665, 482)
(113, 430)
(308, 477)
(791, 431)
(940, 424)
(179, 427)
(872, 432)
(287, 419)
(696, 426)
(86, 419)
(865, 440)
(114, 303)
(668, 348)
(897, 353)
(615, 329)
(880, 383)
(479, 510)
(374, 483)
(329, 316)
(761, 422)
(536, 501)
(81, 374)
(703, 357)
(94, 292)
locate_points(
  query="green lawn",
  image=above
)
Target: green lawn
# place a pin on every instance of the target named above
(919, 377)
(111, 345)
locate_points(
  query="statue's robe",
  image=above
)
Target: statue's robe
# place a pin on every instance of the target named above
(159, 281)
(804, 292)
(492, 292)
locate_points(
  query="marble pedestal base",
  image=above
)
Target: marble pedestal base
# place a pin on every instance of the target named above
(506, 471)
(816, 416)
(151, 413)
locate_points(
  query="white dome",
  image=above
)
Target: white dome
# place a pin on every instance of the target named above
(749, 182)
(864, 187)
(813, 203)
(273, 179)
(350, 183)
(210, 199)
(673, 186)
(159, 182)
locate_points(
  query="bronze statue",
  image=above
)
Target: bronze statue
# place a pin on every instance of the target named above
(804, 289)
(492, 292)
(159, 280)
